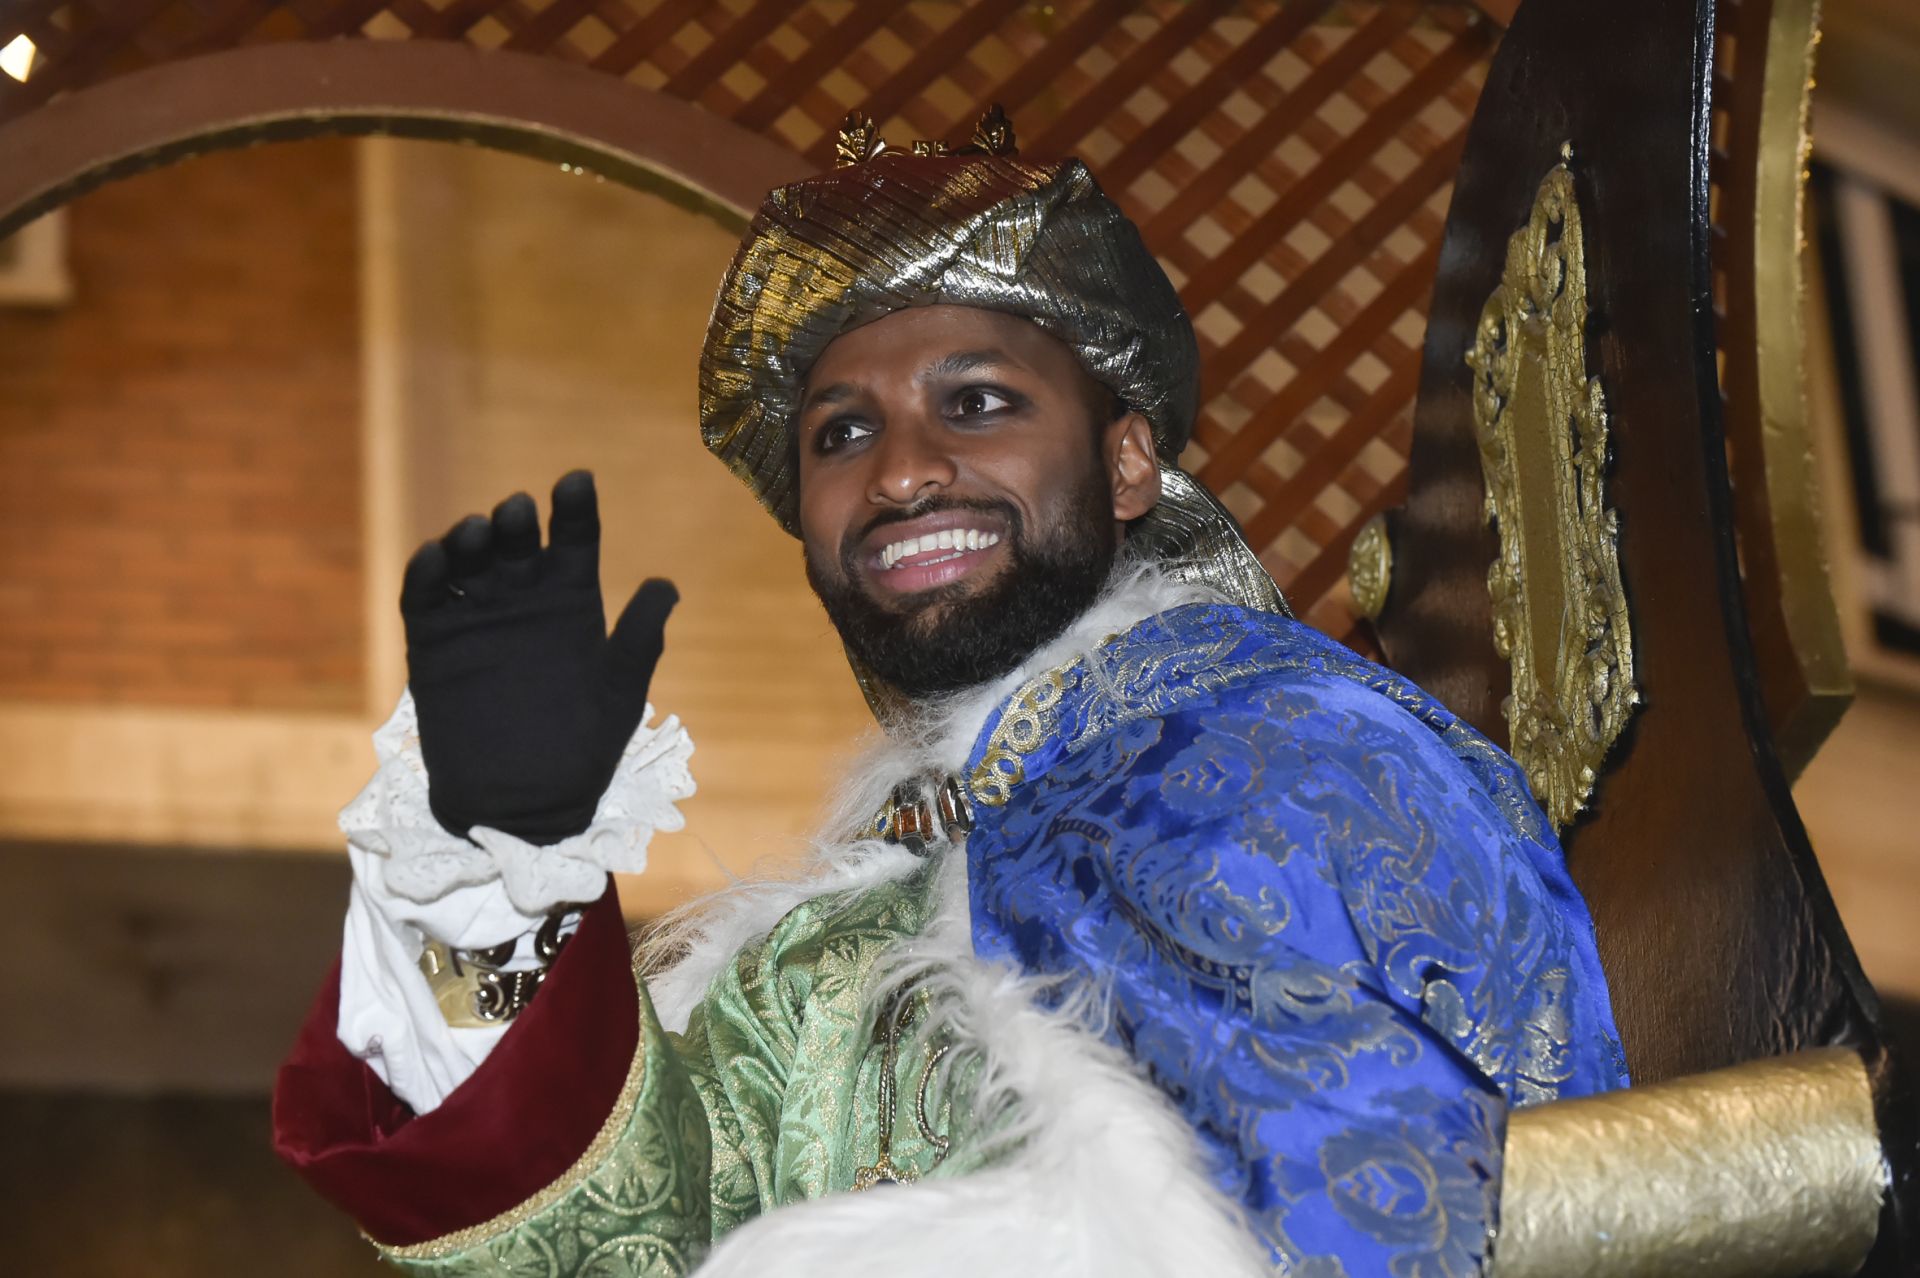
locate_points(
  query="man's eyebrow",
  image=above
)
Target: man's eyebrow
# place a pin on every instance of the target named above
(960, 363)
(834, 393)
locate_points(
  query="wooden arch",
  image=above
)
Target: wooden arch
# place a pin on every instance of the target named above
(278, 92)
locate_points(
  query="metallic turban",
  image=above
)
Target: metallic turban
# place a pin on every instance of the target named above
(1041, 241)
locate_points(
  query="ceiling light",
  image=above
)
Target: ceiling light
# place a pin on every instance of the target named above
(17, 58)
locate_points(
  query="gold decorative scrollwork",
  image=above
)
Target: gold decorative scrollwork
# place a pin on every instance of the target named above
(1559, 611)
(1023, 728)
(1370, 568)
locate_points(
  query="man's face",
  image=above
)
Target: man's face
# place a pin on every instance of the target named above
(962, 490)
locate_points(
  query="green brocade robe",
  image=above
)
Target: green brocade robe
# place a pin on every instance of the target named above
(770, 1096)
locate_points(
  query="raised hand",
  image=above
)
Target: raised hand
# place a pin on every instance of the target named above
(525, 703)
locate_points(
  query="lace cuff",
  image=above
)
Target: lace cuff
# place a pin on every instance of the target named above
(424, 861)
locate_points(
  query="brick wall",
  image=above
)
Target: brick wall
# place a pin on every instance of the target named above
(179, 453)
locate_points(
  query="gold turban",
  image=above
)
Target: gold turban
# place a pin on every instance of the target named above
(1041, 241)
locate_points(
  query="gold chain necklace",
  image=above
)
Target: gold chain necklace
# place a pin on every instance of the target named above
(895, 1016)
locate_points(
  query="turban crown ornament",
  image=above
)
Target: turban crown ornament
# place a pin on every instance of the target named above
(860, 139)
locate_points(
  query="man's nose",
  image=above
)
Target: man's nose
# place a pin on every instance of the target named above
(910, 462)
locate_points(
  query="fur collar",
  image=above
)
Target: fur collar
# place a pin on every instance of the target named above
(687, 948)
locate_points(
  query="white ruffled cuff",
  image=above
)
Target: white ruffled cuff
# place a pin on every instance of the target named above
(424, 861)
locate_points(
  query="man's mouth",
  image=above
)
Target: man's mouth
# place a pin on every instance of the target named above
(932, 551)
(935, 547)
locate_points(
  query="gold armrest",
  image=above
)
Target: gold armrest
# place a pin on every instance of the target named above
(1769, 1168)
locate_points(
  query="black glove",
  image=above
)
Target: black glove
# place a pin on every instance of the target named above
(525, 703)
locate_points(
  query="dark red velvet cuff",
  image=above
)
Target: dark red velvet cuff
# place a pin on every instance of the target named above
(509, 1131)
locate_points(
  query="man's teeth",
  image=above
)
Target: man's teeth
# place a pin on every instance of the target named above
(945, 539)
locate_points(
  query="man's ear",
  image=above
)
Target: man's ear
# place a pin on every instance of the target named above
(1132, 466)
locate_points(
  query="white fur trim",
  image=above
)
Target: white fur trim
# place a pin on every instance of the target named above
(706, 937)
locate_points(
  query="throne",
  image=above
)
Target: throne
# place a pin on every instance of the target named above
(1610, 480)
(1599, 548)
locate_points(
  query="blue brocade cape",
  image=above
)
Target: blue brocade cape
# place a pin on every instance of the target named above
(1333, 925)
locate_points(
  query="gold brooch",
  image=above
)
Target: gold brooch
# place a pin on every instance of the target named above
(475, 988)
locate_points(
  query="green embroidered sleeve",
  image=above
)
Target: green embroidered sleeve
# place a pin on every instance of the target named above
(736, 1052)
(635, 1203)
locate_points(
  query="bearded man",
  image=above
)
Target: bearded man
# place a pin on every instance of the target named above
(1160, 935)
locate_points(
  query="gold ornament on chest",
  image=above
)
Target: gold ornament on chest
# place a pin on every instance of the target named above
(896, 1015)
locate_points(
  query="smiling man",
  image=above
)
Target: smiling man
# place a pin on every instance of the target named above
(963, 488)
(1160, 935)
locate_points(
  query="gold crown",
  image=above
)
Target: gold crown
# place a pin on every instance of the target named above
(860, 139)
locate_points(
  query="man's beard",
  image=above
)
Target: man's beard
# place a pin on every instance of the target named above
(957, 636)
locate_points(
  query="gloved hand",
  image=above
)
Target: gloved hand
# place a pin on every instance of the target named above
(525, 703)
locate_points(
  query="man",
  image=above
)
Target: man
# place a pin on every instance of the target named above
(1161, 936)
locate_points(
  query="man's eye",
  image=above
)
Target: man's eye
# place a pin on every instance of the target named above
(839, 433)
(976, 401)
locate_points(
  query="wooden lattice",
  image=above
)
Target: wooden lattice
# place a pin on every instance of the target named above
(1290, 163)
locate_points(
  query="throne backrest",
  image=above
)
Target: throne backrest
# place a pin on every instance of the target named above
(1614, 317)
